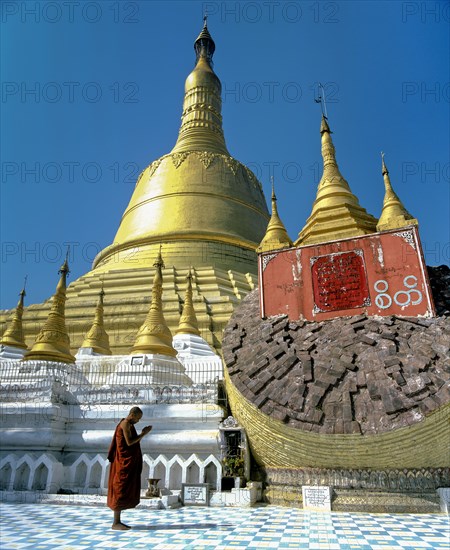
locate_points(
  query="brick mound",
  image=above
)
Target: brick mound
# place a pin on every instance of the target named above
(350, 375)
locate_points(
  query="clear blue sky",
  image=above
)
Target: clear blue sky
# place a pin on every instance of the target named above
(109, 79)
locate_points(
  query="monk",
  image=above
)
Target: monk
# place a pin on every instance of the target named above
(124, 485)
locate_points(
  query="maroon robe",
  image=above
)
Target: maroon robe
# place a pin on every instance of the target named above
(124, 484)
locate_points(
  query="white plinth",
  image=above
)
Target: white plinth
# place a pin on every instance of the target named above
(147, 370)
(201, 362)
(192, 345)
(11, 352)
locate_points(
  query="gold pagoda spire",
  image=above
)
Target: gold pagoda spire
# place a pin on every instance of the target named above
(13, 335)
(197, 199)
(52, 343)
(188, 320)
(394, 215)
(336, 213)
(97, 338)
(154, 336)
(201, 121)
(276, 236)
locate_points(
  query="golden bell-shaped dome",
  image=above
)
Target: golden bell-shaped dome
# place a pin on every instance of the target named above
(202, 204)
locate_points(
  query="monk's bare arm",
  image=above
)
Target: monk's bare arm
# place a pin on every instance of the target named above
(130, 440)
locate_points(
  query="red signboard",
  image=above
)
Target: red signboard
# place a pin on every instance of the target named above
(377, 274)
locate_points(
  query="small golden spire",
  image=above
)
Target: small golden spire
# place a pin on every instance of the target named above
(394, 215)
(336, 213)
(188, 320)
(13, 335)
(97, 338)
(201, 121)
(276, 236)
(154, 336)
(52, 343)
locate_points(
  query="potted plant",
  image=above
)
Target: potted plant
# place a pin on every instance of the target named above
(233, 468)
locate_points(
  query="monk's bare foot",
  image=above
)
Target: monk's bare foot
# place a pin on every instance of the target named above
(120, 527)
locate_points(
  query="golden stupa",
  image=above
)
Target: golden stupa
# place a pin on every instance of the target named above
(336, 212)
(154, 336)
(206, 209)
(188, 320)
(53, 343)
(276, 236)
(13, 335)
(97, 337)
(394, 215)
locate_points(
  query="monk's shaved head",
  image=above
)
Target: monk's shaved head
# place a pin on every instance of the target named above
(135, 410)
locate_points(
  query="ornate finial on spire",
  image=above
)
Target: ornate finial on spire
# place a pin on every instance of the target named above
(154, 336)
(321, 99)
(159, 262)
(13, 335)
(274, 197)
(97, 337)
(65, 266)
(324, 127)
(52, 343)
(384, 170)
(336, 213)
(188, 320)
(204, 44)
(64, 272)
(394, 215)
(25, 279)
(276, 236)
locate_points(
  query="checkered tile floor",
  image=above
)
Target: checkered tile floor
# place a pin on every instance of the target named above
(46, 527)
